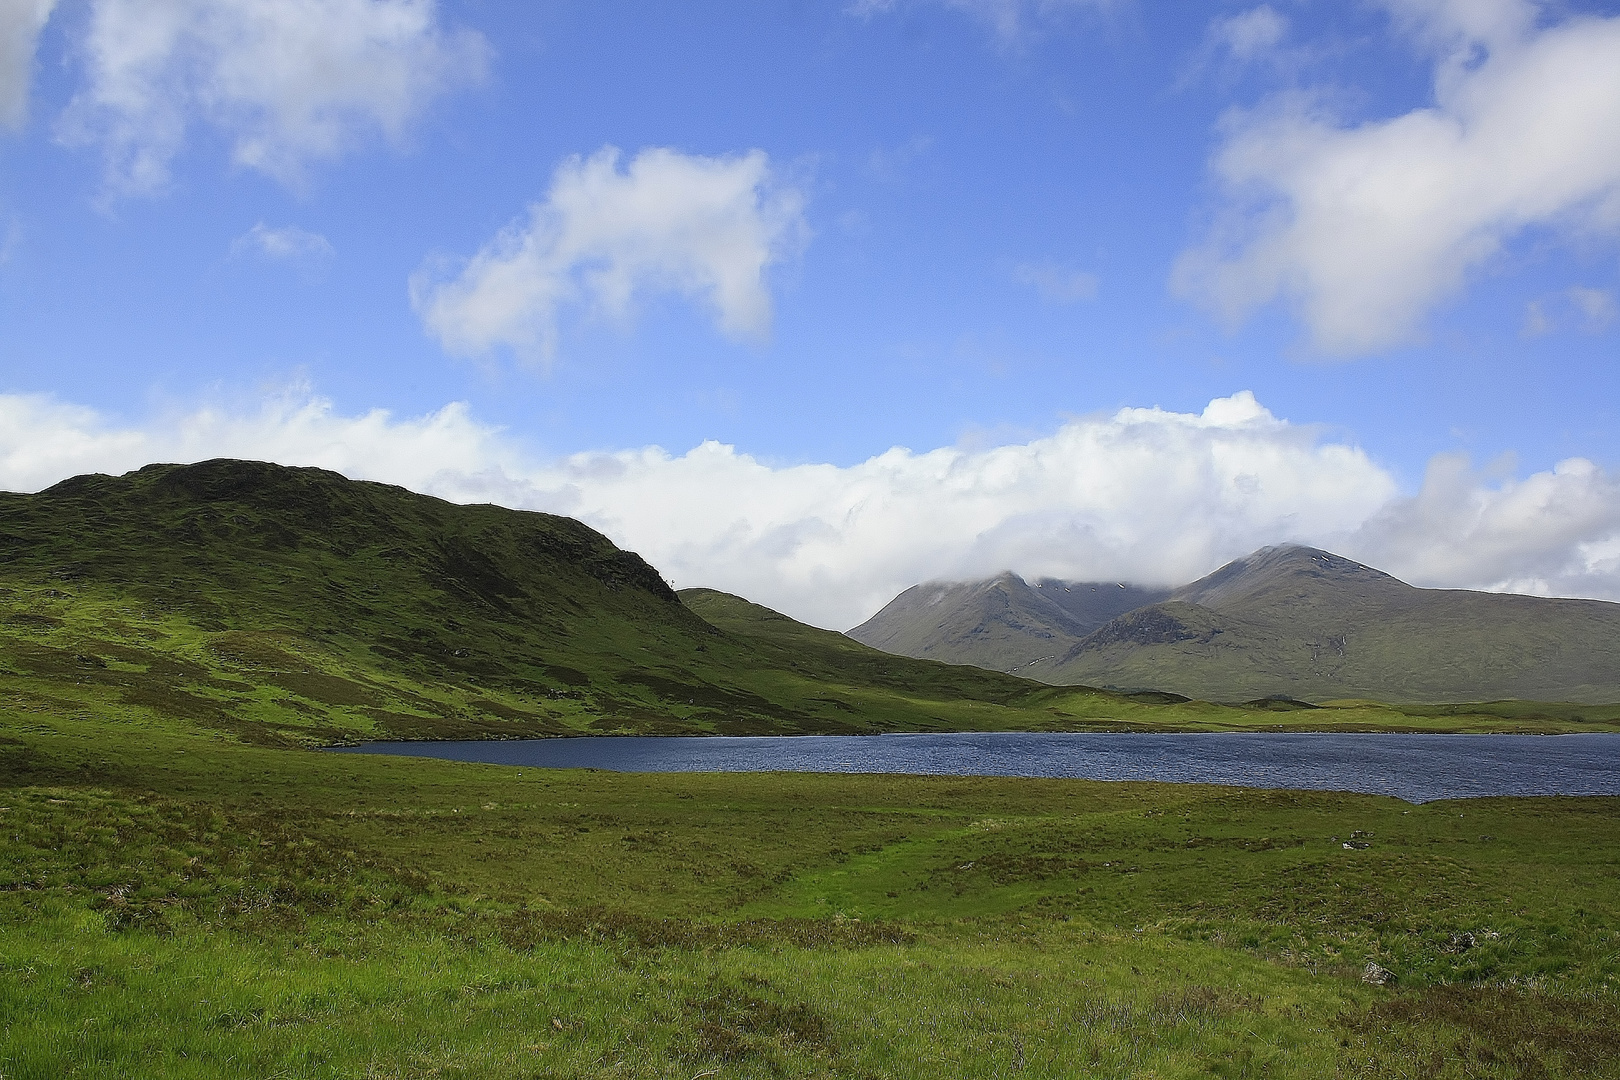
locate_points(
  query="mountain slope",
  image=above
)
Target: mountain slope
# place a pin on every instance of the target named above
(295, 605)
(1003, 624)
(1308, 624)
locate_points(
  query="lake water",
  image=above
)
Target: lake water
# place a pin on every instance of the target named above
(1417, 768)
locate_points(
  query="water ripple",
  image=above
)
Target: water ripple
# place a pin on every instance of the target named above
(1417, 768)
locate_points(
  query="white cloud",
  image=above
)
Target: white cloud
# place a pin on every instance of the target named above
(1554, 533)
(43, 441)
(1142, 495)
(1056, 283)
(1250, 34)
(289, 242)
(1596, 304)
(704, 227)
(1367, 227)
(289, 82)
(20, 24)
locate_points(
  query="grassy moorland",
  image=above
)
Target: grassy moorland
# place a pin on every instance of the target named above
(189, 889)
(176, 903)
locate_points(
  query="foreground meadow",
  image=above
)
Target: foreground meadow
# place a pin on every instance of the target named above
(174, 903)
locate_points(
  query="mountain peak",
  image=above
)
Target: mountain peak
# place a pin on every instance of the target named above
(1003, 622)
(1282, 566)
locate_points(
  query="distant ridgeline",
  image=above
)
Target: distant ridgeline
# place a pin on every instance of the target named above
(295, 605)
(1285, 621)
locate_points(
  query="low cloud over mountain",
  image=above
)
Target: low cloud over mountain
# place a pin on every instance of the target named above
(1143, 495)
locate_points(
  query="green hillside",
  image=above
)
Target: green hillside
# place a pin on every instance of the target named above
(1308, 624)
(294, 604)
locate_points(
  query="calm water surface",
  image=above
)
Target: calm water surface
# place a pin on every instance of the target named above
(1417, 768)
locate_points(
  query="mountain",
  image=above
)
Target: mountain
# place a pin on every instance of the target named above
(1306, 624)
(1003, 624)
(287, 605)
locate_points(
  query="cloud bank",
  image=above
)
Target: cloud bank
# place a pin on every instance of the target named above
(289, 82)
(1365, 228)
(1142, 495)
(703, 227)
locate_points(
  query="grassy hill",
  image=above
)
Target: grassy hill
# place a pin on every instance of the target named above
(281, 603)
(1308, 624)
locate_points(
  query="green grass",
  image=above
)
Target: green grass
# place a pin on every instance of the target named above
(189, 889)
(176, 903)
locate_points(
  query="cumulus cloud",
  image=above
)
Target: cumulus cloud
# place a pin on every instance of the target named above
(289, 242)
(43, 441)
(1144, 495)
(1366, 227)
(288, 83)
(1056, 283)
(20, 24)
(1235, 43)
(1554, 533)
(705, 227)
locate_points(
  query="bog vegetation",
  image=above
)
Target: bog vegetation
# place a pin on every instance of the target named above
(188, 888)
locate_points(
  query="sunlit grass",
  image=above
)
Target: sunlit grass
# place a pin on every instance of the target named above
(173, 903)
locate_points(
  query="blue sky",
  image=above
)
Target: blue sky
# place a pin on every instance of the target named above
(832, 229)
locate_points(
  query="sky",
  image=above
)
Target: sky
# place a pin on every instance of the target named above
(814, 301)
